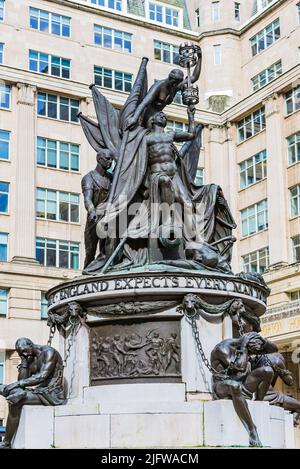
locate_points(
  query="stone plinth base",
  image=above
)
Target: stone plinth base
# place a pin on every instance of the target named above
(150, 425)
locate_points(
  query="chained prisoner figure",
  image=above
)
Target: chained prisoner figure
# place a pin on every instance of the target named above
(40, 382)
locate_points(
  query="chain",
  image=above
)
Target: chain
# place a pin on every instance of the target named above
(51, 334)
(241, 327)
(75, 326)
(223, 373)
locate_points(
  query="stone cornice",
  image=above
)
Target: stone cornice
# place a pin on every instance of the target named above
(280, 313)
(81, 90)
(186, 34)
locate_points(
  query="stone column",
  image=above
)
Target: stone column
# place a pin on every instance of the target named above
(24, 248)
(217, 160)
(230, 158)
(276, 184)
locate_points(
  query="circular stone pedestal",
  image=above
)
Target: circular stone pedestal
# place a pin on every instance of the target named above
(136, 333)
(135, 377)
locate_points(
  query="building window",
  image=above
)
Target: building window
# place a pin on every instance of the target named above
(295, 295)
(166, 52)
(292, 99)
(164, 14)
(111, 4)
(253, 169)
(178, 98)
(49, 22)
(3, 247)
(57, 253)
(44, 306)
(295, 200)
(49, 64)
(217, 54)
(3, 308)
(251, 125)
(296, 248)
(107, 78)
(266, 76)
(197, 13)
(1, 52)
(199, 179)
(58, 107)
(58, 155)
(4, 144)
(1, 10)
(175, 126)
(5, 93)
(237, 11)
(265, 38)
(254, 218)
(4, 191)
(55, 205)
(215, 11)
(112, 39)
(256, 261)
(293, 148)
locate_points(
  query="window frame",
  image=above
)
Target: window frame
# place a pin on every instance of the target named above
(5, 90)
(53, 62)
(247, 262)
(98, 4)
(113, 78)
(59, 195)
(290, 97)
(50, 21)
(252, 120)
(217, 54)
(261, 40)
(164, 7)
(215, 11)
(295, 144)
(6, 195)
(198, 17)
(44, 302)
(58, 150)
(161, 46)
(113, 34)
(267, 71)
(6, 244)
(237, 11)
(251, 214)
(2, 53)
(2, 11)
(5, 302)
(58, 104)
(294, 201)
(245, 165)
(5, 142)
(295, 247)
(200, 178)
(57, 242)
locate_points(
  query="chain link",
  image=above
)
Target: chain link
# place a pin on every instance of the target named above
(223, 373)
(51, 334)
(74, 329)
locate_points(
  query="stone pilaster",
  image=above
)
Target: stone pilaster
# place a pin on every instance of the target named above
(276, 181)
(24, 248)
